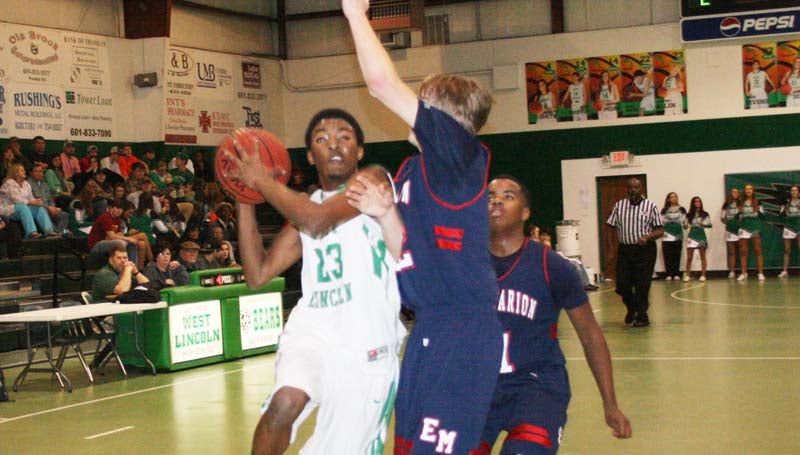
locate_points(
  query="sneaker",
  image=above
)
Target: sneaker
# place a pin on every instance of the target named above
(629, 317)
(702, 278)
(783, 274)
(741, 277)
(35, 235)
(760, 277)
(668, 278)
(732, 275)
(686, 277)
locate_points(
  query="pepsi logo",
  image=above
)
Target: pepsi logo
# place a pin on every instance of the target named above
(730, 26)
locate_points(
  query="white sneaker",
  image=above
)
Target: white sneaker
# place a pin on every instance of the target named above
(783, 274)
(760, 277)
(732, 275)
(741, 277)
(702, 278)
(686, 277)
(669, 278)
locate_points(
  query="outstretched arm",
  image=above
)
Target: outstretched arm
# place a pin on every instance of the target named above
(260, 265)
(599, 359)
(379, 72)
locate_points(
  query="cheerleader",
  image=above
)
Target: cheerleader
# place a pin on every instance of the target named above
(730, 218)
(672, 217)
(697, 221)
(750, 214)
(791, 226)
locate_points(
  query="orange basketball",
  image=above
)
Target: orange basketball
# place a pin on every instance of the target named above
(273, 154)
(786, 89)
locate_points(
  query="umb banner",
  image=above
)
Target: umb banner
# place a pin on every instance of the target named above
(195, 331)
(209, 94)
(260, 320)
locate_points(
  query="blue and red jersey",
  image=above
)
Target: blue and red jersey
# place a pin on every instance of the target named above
(534, 283)
(442, 199)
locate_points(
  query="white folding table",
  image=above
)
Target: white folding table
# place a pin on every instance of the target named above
(72, 313)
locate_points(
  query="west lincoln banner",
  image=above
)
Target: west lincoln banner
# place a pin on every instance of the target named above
(208, 95)
(54, 84)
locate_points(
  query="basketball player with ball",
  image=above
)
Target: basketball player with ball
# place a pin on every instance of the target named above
(340, 345)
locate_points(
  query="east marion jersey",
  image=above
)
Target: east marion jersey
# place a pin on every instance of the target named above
(350, 297)
(442, 199)
(533, 289)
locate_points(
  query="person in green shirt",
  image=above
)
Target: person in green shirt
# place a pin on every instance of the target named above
(181, 175)
(118, 276)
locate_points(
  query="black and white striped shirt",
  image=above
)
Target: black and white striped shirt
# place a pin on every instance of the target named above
(634, 221)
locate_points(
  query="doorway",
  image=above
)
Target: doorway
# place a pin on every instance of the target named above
(609, 191)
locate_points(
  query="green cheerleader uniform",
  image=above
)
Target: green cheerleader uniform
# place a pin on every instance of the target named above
(750, 222)
(697, 232)
(730, 216)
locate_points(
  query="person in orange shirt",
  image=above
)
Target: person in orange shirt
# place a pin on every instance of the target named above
(127, 159)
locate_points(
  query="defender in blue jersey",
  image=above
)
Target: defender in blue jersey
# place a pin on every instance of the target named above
(449, 369)
(532, 394)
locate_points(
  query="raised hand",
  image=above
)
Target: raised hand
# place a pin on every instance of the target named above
(370, 198)
(354, 7)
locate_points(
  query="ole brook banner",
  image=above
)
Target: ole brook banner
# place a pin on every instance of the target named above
(55, 84)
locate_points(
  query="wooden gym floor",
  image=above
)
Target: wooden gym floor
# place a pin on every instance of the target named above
(718, 372)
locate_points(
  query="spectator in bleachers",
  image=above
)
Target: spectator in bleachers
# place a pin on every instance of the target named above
(60, 187)
(111, 163)
(216, 235)
(226, 255)
(212, 196)
(118, 191)
(24, 207)
(107, 233)
(146, 252)
(91, 151)
(80, 179)
(169, 224)
(223, 216)
(38, 153)
(16, 146)
(6, 161)
(92, 202)
(40, 190)
(160, 177)
(188, 255)
(10, 236)
(127, 159)
(141, 220)
(146, 186)
(163, 272)
(105, 188)
(202, 170)
(135, 178)
(192, 233)
(69, 162)
(181, 175)
(173, 163)
(150, 158)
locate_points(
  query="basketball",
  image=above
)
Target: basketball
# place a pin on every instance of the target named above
(786, 89)
(273, 155)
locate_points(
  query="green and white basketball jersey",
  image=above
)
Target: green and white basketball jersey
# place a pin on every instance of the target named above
(350, 296)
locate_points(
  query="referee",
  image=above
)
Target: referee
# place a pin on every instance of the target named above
(638, 225)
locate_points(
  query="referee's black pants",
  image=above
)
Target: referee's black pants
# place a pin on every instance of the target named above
(635, 265)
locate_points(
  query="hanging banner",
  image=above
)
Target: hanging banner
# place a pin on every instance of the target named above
(608, 87)
(209, 94)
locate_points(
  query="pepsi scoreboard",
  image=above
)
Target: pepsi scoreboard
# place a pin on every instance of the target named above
(706, 20)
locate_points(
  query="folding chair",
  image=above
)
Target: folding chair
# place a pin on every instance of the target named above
(103, 331)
